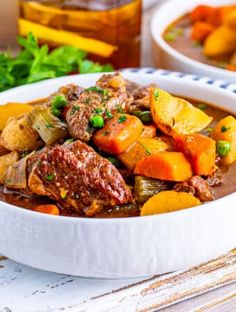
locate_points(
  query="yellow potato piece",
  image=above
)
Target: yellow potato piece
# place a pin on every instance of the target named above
(168, 201)
(62, 37)
(231, 19)
(228, 134)
(141, 149)
(5, 162)
(176, 116)
(17, 135)
(221, 41)
(12, 110)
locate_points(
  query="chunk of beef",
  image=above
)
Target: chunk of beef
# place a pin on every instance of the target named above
(139, 96)
(215, 179)
(70, 91)
(196, 186)
(77, 178)
(107, 97)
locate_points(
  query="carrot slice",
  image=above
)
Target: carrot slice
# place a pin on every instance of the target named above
(49, 209)
(206, 13)
(201, 151)
(170, 166)
(118, 133)
(168, 201)
(201, 30)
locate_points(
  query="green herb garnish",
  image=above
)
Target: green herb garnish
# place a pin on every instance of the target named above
(98, 110)
(96, 89)
(119, 108)
(225, 129)
(69, 141)
(122, 118)
(202, 106)
(114, 161)
(156, 94)
(208, 130)
(109, 114)
(50, 177)
(74, 109)
(49, 126)
(34, 63)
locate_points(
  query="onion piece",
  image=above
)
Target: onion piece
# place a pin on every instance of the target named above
(16, 177)
(49, 127)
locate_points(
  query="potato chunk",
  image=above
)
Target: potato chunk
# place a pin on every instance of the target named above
(12, 110)
(6, 161)
(19, 136)
(226, 130)
(175, 115)
(221, 42)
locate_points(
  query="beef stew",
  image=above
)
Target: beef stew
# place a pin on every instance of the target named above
(116, 149)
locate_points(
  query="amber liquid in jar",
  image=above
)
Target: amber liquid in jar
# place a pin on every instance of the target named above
(114, 24)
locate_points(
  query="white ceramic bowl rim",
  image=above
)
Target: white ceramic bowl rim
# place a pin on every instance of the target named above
(157, 29)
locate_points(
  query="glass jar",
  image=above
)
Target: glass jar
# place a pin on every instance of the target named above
(109, 30)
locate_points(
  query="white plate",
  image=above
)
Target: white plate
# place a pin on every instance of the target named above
(165, 56)
(126, 247)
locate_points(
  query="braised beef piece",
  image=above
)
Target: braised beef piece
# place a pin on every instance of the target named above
(196, 186)
(77, 178)
(139, 96)
(107, 97)
(71, 92)
(215, 179)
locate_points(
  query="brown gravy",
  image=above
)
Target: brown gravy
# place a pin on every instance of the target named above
(227, 187)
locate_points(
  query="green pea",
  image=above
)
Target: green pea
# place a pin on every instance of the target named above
(59, 101)
(223, 148)
(137, 113)
(146, 117)
(56, 112)
(97, 121)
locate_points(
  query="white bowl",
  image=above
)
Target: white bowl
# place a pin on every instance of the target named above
(126, 247)
(167, 57)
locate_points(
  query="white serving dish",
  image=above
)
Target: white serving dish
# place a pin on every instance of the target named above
(126, 247)
(166, 57)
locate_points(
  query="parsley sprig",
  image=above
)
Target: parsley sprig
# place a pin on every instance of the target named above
(34, 63)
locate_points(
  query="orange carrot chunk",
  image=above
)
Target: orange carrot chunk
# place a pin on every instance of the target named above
(200, 150)
(170, 166)
(49, 209)
(201, 30)
(118, 133)
(205, 13)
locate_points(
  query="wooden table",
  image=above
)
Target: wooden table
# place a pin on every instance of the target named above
(211, 286)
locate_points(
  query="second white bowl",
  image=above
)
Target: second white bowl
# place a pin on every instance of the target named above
(166, 57)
